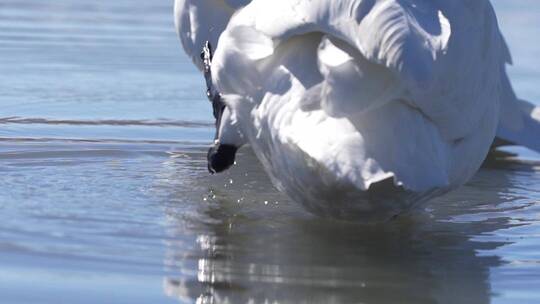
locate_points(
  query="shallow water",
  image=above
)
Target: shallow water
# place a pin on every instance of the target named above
(105, 198)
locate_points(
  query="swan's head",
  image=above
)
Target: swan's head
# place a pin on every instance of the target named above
(229, 136)
(221, 155)
(229, 111)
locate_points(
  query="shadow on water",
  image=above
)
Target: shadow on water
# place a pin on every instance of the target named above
(253, 251)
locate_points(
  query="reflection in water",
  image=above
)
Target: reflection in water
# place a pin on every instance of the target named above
(253, 251)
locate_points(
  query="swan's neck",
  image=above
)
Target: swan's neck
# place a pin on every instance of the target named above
(198, 21)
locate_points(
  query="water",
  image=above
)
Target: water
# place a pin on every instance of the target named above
(105, 198)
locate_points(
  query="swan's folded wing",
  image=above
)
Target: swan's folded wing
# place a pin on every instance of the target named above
(447, 60)
(405, 39)
(519, 122)
(449, 57)
(408, 41)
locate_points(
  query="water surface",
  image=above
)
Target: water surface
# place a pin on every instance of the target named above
(105, 198)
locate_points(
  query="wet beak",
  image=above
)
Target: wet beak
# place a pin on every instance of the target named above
(221, 157)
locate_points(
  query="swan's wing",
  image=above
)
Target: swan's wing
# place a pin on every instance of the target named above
(198, 21)
(526, 131)
(519, 121)
(448, 55)
(441, 61)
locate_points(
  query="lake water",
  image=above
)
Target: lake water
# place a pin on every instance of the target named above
(105, 197)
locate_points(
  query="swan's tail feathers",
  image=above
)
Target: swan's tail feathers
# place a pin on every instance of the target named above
(522, 129)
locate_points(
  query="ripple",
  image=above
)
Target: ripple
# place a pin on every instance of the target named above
(106, 122)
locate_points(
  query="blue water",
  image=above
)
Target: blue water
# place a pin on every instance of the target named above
(105, 198)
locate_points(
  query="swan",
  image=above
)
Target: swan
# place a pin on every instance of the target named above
(357, 109)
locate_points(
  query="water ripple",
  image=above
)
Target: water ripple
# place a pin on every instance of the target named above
(107, 122)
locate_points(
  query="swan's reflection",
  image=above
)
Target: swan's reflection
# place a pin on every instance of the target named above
(253, 251)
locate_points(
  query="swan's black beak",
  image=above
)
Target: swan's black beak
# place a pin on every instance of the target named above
(221, 157)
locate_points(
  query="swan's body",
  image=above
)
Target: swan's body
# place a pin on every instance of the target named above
(359, 108)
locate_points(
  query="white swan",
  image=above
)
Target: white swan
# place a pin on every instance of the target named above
(358, 108)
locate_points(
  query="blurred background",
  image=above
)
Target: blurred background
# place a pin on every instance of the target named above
(105, 198)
